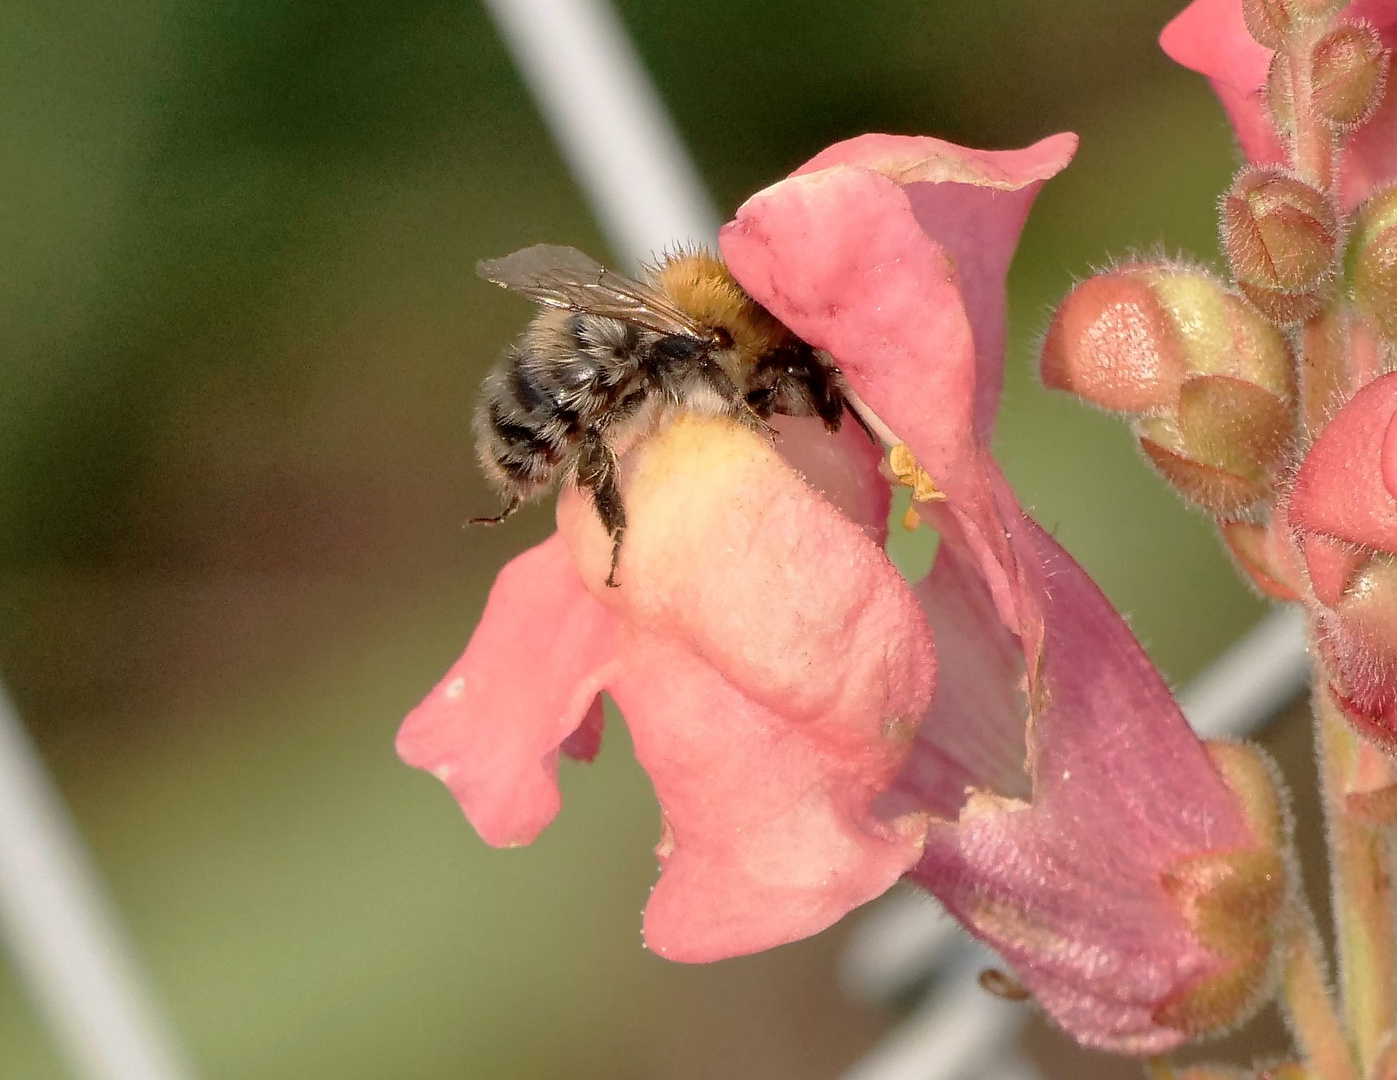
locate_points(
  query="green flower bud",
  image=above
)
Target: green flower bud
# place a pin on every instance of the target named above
(1279, 232)
(1268, 21)
(1373, 260)
(1350, 66)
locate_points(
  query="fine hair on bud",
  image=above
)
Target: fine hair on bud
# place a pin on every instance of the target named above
(1373, 260)
(1279, 233)
(1349, 71)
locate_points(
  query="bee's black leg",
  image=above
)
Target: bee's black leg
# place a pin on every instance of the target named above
(514, 503)
(597, 473)
(743, 409)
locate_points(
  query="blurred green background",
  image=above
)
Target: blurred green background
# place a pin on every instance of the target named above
(242, 338)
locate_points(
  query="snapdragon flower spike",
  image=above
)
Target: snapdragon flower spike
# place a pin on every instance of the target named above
(1077, 824)
(1344, 511)
(1211, 38)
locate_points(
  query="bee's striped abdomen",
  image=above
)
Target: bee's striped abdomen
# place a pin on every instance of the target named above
(560, 384)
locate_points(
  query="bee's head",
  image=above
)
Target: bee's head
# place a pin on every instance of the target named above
(700, 284)
(791, 381)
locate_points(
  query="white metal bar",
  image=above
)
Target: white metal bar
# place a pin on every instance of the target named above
(63, 933)
(897, 945)
(608, 120)
(1244, 688)
(958, 1033)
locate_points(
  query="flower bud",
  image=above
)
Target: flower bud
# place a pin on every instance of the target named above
(1210, 382)
(1349, 68)
(1279, 232)
(1373, 260)
(1268, 21)
(1343, 508)
(1225, 444)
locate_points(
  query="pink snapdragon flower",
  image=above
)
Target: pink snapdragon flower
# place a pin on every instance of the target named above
(779, 679)
(1343, 509)
(1211, 38)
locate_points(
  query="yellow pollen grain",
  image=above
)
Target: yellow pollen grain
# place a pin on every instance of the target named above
(909, 473)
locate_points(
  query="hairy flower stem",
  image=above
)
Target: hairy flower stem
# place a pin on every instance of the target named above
(1362, 888)
(1312, 154)
(1325, 380)
(1305, 993)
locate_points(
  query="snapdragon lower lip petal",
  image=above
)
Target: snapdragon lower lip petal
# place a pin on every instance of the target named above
(492, 728)
(769, 836)
(733, 553)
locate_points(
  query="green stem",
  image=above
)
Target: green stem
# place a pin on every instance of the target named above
(1317, 1026)
(1361, 880)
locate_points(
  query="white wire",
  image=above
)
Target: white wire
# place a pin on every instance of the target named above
(1245, 687)
(958, 1033)
(62, 931)
(608, 120)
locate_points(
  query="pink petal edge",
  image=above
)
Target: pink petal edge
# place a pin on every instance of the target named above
(492, 727)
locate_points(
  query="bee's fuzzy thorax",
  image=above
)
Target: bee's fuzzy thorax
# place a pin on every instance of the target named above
(699, 283)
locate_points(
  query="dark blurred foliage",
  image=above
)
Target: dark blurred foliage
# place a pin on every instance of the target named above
(243, 336)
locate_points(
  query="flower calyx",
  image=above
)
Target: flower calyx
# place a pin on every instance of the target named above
(1373, 260)
(1272, 22)
(1234, 900)
(1210, 383)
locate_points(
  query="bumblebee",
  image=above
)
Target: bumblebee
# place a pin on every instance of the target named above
(608, 358)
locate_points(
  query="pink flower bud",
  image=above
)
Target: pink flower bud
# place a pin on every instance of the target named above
(1373, 254)
(1114, 343)
(1350, 67)
(1278, 232)
(1344, 511)
(1210, 382)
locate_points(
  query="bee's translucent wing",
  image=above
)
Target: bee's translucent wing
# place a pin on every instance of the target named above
(563, 277)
